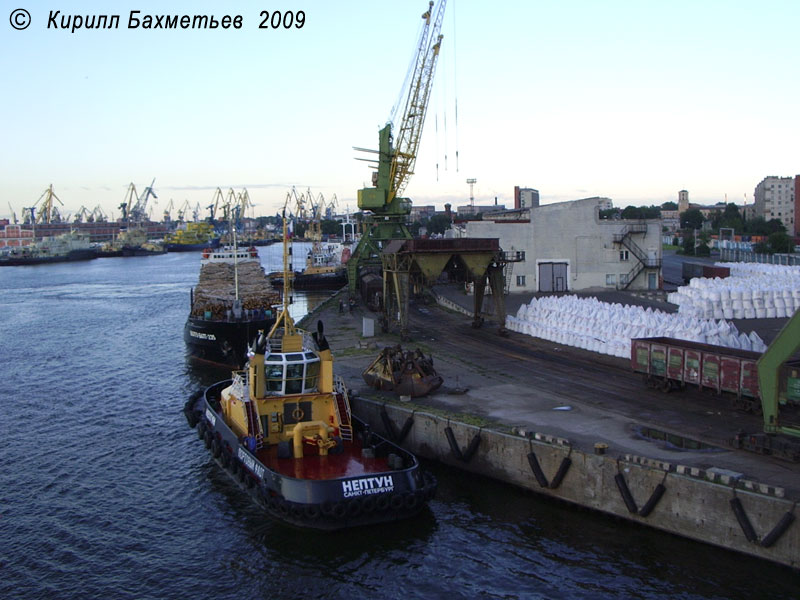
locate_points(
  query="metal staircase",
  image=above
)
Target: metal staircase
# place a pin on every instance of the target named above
(642, 260)
(342, 407)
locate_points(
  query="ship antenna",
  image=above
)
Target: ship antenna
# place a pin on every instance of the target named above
(284, 319)
(232, 225)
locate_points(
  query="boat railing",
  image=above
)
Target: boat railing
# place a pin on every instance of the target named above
(276, 341)
(342, 406)
(239, 386)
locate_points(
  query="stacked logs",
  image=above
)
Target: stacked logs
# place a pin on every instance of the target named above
(215, 291)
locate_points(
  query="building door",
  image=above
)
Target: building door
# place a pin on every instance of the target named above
(652, 282)
(552, 277)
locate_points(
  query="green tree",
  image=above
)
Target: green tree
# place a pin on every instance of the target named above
(641, 212)
(669, 206)
(729, 218)
(780, 242)
(692, 219)
(439, 224)
(757, 226)
(609, 213)
(330, 227)
(775, 226)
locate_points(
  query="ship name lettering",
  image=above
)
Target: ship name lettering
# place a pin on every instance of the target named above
(212, 418)
(367, 486)
(250, 463)
(203, 336)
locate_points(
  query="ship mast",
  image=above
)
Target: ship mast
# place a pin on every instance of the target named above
(284, 318)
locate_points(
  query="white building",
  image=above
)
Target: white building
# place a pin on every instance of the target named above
(567, 247)
(775, 198)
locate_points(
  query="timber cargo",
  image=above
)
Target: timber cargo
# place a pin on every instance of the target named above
(232, 302)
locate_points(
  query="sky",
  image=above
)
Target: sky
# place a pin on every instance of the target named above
(630, 100)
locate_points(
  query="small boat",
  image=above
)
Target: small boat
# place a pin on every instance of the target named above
(283, 429)
(232, 302)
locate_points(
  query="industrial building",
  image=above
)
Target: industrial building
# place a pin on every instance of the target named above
(779, 198)
(567, 247)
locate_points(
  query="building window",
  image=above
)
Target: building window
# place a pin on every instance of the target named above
(520, 254)
(611, 280)
(623, 255)
(520, 280)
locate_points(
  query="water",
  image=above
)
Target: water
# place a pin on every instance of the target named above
(105, 492)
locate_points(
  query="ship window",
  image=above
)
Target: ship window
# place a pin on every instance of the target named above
(274, 358)
(274, 378)
(294, 378)
(294, 357)
(312, 374)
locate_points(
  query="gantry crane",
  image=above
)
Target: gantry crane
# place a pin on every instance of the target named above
(13, 214)
(395, 163)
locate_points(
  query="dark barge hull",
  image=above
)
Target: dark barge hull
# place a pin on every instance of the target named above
(72, 256)
(318, 492)
(325, 281)
(222, 343)
(192, 247)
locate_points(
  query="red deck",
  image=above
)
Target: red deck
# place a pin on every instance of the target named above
(349, 463)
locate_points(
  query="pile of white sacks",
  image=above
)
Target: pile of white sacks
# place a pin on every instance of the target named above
(607, 328)
(753, 291)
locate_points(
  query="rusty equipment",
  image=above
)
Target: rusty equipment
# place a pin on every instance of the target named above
(408, 373)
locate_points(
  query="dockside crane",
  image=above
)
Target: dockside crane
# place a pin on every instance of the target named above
(138, 212)
(13, 214)
(98, 215)
(168, 211)
(215, 202)
(395, 163)
(47, 210)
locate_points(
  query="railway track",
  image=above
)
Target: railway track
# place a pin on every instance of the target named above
(572, 376)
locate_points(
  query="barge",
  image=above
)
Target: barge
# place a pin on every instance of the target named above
(232, 301)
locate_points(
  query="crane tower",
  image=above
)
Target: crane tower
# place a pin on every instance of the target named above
(397, 155)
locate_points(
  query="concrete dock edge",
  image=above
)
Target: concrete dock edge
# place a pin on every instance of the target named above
(694, 503)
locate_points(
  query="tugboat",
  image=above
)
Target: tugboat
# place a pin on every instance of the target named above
(232, 302)
(284, 429)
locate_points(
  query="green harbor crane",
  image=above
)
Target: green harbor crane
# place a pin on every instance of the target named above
(389, 211)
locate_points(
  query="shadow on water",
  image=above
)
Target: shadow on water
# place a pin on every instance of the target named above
(576, 550)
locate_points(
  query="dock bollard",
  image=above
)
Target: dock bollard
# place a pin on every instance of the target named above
(600, 448)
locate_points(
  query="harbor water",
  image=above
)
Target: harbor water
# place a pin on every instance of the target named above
(105, 492)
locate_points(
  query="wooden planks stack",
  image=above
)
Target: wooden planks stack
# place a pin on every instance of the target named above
(215, 290)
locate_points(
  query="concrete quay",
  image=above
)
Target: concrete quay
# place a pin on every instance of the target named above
(537, 415)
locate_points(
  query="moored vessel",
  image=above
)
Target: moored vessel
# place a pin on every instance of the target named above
(67, 247)
(131, 242)
(325, 268)
(232, 302)
(194, 236)
(284, 429)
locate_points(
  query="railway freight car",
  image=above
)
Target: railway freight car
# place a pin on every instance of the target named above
(690, 270)
(669, 363)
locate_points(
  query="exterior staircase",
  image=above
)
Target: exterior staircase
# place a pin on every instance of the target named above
(343, 409)
(642, 260)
